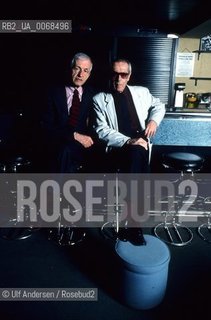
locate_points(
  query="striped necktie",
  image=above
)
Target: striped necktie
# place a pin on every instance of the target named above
(75, 109)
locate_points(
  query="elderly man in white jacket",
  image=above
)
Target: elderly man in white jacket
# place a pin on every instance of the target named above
(125, 119)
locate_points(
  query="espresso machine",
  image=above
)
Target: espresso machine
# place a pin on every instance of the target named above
(179, 95)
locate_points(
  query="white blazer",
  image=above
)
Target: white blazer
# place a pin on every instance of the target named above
(105, 118)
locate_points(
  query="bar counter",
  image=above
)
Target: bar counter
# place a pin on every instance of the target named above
(184, 128)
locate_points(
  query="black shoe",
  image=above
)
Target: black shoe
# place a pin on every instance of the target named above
(133, 235)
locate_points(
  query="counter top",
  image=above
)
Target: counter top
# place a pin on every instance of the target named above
(189, 113)
(184, 129)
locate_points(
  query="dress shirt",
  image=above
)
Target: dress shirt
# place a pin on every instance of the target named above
(69, 95)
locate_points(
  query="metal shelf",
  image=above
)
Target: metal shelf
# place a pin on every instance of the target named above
(201, 51)
(199, 78)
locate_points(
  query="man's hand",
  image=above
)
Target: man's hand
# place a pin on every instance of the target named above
(86, 141)
(150, 129)
(139, 142)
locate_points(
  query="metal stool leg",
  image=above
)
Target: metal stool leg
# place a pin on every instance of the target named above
(12, 229)
(66, 235)
(110, 229)
(204, 229)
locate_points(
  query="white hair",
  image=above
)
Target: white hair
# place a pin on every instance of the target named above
(80, 56)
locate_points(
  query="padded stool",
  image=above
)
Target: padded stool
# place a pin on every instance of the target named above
(142, 272)
(183, 161)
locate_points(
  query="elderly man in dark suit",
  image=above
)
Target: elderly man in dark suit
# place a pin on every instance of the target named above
(65, 122)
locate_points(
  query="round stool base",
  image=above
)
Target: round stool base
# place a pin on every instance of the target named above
(15, 233)
(204, 231)
(173, 233)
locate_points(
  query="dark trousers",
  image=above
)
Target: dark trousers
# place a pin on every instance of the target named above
(63, 158)
(73, 158)
(128, 159)
(70, 157)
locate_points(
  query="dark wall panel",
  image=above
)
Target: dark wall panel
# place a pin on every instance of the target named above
(153, 61)
(30, 62)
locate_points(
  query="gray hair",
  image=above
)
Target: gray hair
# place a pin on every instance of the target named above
(80, 56)
(123, 60)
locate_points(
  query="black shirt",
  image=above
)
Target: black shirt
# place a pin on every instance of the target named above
(127, 117)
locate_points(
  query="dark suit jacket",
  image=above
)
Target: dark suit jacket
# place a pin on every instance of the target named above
(54, 123)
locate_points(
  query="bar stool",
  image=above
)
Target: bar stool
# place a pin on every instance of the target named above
(12, 229)
(170, 230)
(183, 162)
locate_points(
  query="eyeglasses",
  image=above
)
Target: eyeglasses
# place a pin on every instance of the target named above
(123, 75)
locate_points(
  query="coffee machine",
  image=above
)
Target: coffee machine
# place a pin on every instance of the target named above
(179, 95)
